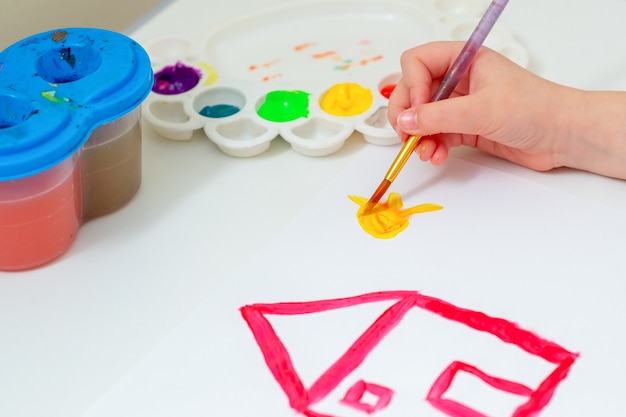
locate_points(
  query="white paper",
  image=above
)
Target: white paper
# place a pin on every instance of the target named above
(503, 246)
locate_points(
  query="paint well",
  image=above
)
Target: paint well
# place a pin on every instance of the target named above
(219, 111)
(346, 99)
(14, 111)
(219, 102)
(284, 105)
(387, 90)
(68, 63)
(176, 79)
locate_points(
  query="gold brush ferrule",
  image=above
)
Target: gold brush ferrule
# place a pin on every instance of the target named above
(403, 156)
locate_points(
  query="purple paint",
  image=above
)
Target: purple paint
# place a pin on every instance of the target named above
(176, 79)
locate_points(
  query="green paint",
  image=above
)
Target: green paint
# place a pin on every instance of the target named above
(51, 95)
(284, 106)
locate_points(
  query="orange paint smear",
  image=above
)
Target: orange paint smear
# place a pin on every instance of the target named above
(303, 46)
(323, 54)
(254, 67)
(373, 59)
(387, 219)
(343, 67)
(271, 77)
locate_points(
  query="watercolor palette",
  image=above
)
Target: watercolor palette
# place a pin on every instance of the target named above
(311, 73)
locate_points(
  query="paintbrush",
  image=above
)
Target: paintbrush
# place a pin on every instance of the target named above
(451, 79)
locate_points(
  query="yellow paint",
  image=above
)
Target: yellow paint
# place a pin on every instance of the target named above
(346, 99)
(211, 73)
(387, 219)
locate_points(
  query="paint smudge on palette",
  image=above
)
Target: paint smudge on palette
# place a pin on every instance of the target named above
(325, 54)
(356, 54)
(268, 64)
(303, 46)
(271, 77)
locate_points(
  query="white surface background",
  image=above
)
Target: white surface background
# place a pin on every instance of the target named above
(71, 330)
(526, 253)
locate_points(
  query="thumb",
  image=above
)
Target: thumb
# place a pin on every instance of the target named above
(454, 115)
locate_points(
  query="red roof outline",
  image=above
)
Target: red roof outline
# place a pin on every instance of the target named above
(301, 399)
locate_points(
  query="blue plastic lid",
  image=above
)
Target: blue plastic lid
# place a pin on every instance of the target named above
(57, 87)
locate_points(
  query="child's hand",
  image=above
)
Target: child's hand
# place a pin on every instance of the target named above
(497, 107)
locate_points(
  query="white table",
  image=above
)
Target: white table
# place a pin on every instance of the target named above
(70, 330)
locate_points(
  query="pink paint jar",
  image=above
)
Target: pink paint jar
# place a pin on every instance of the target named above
(39, 216)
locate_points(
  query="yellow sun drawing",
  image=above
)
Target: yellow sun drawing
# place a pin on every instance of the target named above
(386, 219)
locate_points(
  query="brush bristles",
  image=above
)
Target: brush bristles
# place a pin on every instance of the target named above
(378, 194)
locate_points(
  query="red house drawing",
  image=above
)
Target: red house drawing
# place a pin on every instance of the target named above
(303, 399)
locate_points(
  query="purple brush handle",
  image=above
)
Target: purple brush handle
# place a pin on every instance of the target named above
(473, 44)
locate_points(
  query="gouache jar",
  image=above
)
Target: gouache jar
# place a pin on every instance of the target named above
(111, 165)
(39, 216)
(70, 137)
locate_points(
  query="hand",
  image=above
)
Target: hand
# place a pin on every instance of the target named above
(497, 107)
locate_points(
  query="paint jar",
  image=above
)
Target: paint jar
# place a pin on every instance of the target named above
(39, 216)
(111, 165)
(70, 138)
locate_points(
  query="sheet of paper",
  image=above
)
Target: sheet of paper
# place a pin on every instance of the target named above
(508, 302)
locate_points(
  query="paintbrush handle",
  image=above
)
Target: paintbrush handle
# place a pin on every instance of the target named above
(447, 86)
(469, 51)
(452, 77)
(403, 156)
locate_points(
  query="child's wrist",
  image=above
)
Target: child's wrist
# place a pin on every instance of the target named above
(596, 132)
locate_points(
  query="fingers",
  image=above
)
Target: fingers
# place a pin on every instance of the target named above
(434, 149)
(463, 115)
(426, 148)
(429, 61)
(422, 69)
(398, 102)
(446, 124)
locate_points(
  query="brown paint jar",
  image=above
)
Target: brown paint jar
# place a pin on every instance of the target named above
(111, 165)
